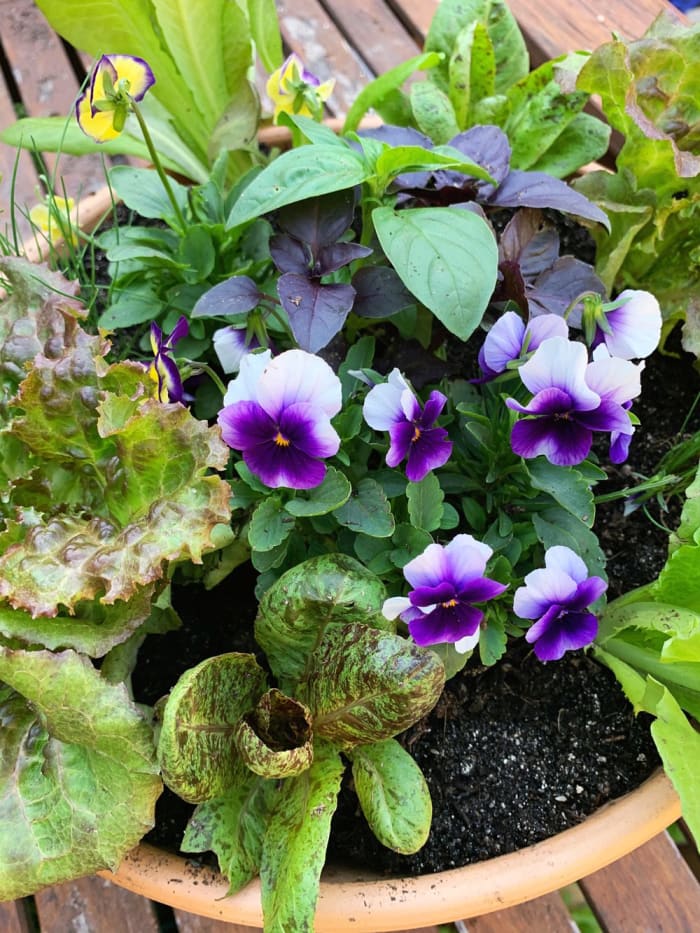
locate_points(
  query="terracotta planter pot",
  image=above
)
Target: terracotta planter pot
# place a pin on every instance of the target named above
(352, 901)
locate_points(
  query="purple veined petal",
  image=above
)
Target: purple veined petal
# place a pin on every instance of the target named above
(560, 363)
(445, 624)
(608, 416)
(308, 429)
(567, 561)
(395, 606)
(543, 587)
(430, 596)
(481, 589)
(245, 424)
(547, 402)
(619, 446)
(635, 325)
(543, 624)
(244, 387)
(543, 327)
(587, 592)
(277, 465)
(503, 342)
(433, 409)
(613, 378)
(563, 443)
(465, 559)
(429, 451)
(298, 376)
(429, 568)
(401, 435)
(382, 406)
(469, 642)
(568, 633)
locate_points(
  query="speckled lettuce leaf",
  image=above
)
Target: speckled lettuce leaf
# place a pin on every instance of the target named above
(78, 777)
(393, 795)
(366, 685)
(233, 826)
(294, 848)
(296, 610)
(275, 739)
(196, 746)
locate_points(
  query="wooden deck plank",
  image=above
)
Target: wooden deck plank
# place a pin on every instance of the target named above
(309, 31)
(191, 923)
(27, 190)
(546, 914)
(13, 918)
(95, 905)
(371, 27)
(651, 889)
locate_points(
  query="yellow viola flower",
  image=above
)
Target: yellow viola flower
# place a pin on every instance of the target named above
(294, 90)
(54, 218)
(116, 81)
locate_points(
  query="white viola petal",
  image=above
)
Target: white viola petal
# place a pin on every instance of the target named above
(409, 405)
(635, 325)
(613, 378)
(543, 327)
(560, 557)
(230, 347)
(542, 588)
(462, 645)
(560, 363)
(466, 557)
(298, 376)
(504, 342)
(428, 569)
(244, 388)
(382, 406)
(394, 606)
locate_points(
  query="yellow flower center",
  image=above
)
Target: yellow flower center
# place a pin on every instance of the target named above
(450, 604)
(281, 441)
(416, 435)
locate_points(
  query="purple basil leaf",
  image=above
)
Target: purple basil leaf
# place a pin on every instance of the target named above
(530, 242)
(319, 221)
(398, 136)
(337, 255)
(488, 146)
(316, 312)
(289, 255)
(537, 189)
(234, 296)
(511, 285)
(380, 292)
(555, 289)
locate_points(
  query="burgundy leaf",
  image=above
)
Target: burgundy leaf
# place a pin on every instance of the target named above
(511, 284)
(337, 255)
(319, 221)
(316, 312)
(529, 241)
(380, 292)
(289, 255)
(234, 296)
(398, 136)
(537, 189)
(488, 146)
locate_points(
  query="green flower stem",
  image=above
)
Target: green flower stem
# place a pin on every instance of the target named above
(197, 366)
(158, 166)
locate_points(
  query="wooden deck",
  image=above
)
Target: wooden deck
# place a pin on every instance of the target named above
(652, 889)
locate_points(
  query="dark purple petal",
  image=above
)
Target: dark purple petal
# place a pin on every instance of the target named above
(316, 312)
(547, 402)
(432, 595)
(608, 416)
(433, 409)
(587, 592)
(234, 296)
(401, 436)
(480, 589)
(563, 442)
(430, 450)
(445, 624)
(619, 446)
(284, 466)
(537, 189)
(180, 330)
(290, 255)
(246, 424)
(307, 428)
(569, 631)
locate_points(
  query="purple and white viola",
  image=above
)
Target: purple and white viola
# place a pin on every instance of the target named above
(572, 398)
(510, 338)
(391, 406)
(632, 326)
(559, 597)
(278, 412)
(230, 345)
(447, 580)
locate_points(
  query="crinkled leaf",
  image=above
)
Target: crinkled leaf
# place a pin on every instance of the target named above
(425, 503)
(688, 531)
(316, 312)
(678, 627)
(367, 511)
(233, 826)
(274, 740)
(446, 257)
(677, 583)
(566, 486)
(584, 140)
(78, 778)
(333, 492)
(368, 685)
(297, 608)
(294, 847)
(196, 747)
(393, 795)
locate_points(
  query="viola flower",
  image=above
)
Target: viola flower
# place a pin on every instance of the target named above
(567, 408)
(392, 406)
(294, 90)
(447, 581)
(510, 337)
(163, 370)
(55, 218)
(617, 382)
(231, 344)
(558, 596)
(116, 81)
(631, 330)
(278, 413)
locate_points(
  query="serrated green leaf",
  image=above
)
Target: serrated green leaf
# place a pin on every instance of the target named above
(294, 848)
(425, 503)
(393, 795)
(566, 486)
(269, 525)
(196, 746)
(332, 493)
(446, 257)
(367, 511)
(78, 777)
(374, 684)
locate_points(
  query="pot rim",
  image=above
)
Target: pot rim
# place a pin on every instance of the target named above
(351, 901)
